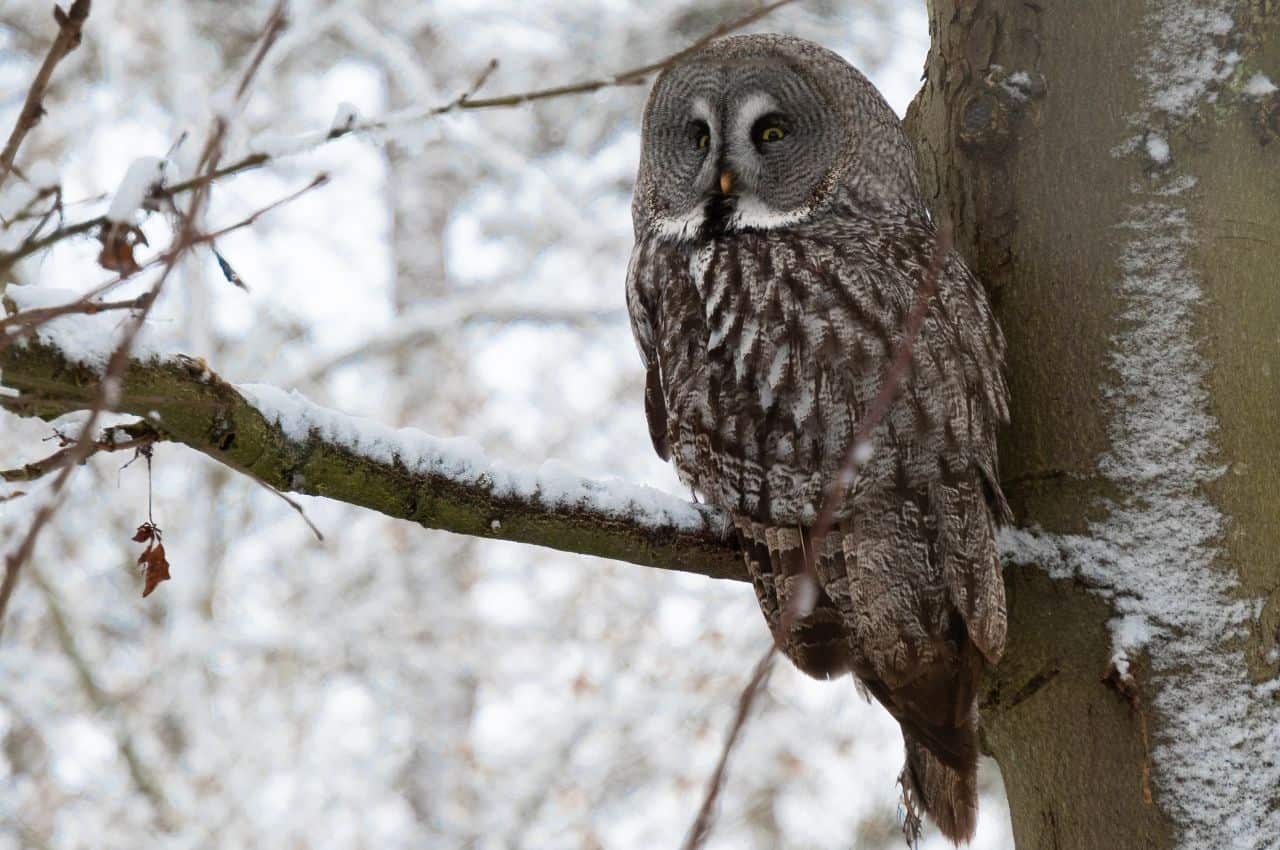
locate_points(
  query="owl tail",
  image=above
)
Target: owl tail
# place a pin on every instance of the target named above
(947, 794)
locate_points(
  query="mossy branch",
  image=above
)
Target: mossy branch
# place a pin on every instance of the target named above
(189, 404)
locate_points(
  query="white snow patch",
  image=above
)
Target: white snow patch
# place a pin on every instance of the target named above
(1158, 149)
(142, 175)
(1184, 59)
(1211, 755)
(82, 338)
(463, 460)
(1259, 85)
(1128, 634)
(1017, 86)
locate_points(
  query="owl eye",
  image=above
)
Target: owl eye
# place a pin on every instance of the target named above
(770, 128)
(700, 135)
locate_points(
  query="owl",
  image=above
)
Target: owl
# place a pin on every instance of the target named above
(781, 243)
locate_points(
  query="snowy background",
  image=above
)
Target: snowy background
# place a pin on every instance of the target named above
(395, 687)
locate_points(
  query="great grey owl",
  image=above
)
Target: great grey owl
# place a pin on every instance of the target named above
(781, 242)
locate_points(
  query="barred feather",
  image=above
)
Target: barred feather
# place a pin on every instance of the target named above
(764, 349)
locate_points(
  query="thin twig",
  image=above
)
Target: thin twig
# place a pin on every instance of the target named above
(631, 76)
(293, 503)
(836, 492)
(276, 24)
(138, 434)
(109, 387)
(483, 78)
(21, 325)
(316, 182)
(31, 246)
(701, 829)
(70, 24)
(465, 101)
(29, 211)
(447, 316)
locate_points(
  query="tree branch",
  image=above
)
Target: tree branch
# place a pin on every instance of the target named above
(117, 438)
(70, 24)
(465, 101)
(189, 404)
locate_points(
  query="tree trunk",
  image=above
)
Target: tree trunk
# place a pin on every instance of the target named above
(1111, 170)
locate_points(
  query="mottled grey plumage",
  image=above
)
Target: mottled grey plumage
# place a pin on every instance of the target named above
(767, 306)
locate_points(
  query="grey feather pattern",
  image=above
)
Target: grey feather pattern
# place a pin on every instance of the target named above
(768, 343)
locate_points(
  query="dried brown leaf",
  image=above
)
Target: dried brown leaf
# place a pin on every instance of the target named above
(155, 568)
(118, 241)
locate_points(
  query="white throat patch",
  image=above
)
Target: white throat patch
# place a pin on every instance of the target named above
(755, 214)
(749, 214)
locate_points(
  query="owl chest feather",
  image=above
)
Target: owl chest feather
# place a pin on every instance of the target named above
(772, 346)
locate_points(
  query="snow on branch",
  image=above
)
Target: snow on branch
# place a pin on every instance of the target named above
(293, 445)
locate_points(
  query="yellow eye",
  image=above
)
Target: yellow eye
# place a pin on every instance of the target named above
(773, 134)
(704, 139)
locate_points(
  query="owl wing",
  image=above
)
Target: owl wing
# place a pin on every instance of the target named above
(965, 499)
(642, 308)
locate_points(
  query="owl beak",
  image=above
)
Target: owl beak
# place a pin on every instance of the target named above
(726, 182)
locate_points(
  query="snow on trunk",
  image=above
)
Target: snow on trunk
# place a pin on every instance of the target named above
(1159, 551)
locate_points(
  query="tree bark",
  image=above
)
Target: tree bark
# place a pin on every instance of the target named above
(1121, 208)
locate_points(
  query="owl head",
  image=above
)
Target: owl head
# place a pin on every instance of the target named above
(760, 132)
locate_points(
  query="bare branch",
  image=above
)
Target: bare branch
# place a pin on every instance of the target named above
(701, 829)
(856, 455)
(19, 325)
(119, 362)
(70, 24)
(293, 503)
(114, 439)
(277, 21)
(478, 84)
(465, 101)
(630, 76)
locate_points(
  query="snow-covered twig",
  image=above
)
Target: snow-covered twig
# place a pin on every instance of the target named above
(295, 446)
